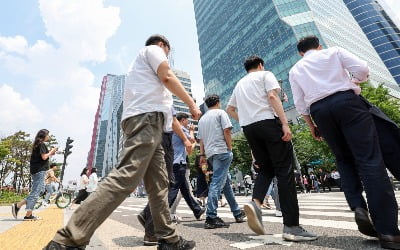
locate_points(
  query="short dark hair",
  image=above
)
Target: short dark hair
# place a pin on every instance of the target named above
(212, 100)
(252, 62)
(154, 39)
(94, 170)
(181, 116)
(53, 164)
(307, 43)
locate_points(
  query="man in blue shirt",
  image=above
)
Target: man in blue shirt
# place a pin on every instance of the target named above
(180, 166)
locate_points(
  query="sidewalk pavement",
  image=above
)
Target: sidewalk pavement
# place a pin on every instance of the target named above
(34, 235)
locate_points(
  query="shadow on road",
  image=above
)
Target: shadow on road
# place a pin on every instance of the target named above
(344, 242)
(128, 241)
(235, 237)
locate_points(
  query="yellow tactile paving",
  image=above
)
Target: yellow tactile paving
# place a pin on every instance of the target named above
(33, 235)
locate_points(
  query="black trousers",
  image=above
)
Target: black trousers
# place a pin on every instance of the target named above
(274, 157)
(166, 143)
(82, 195)
(182, 185)
(347, 126)
(389, 140)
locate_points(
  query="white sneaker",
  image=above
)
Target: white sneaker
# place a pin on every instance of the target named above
(278, 213)
(175, 218)
(45, 204)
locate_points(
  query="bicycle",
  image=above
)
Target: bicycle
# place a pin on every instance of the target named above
(61, 197)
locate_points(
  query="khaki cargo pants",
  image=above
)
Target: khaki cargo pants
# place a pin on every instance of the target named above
(142, 157)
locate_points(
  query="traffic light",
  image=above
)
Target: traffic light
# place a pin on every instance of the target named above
(68, 147)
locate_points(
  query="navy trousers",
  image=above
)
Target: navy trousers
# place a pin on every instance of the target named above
(182, 185)
(347, 126)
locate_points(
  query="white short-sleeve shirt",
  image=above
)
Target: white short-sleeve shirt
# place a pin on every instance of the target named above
(144, 92)
(250, 97)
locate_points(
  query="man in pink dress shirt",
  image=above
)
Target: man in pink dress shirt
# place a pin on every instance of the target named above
(325, 87)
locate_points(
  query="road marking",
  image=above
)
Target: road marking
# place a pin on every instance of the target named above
(262, 240)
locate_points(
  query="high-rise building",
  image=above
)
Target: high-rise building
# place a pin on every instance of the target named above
(106, 136)
(229, 31)
(381, 31)
(184, 77)
(179, 105)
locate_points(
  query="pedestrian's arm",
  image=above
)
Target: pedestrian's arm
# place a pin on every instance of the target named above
(50, 153)
(228, 138)
(276, 104)
(176, 127)
(172, 83)
(85, 180)
(313, 129)
(191, 133)
(357, 67)
(231, 110)
(202, 153)
(53, 177)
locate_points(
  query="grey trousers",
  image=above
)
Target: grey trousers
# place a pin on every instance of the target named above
(142, 157)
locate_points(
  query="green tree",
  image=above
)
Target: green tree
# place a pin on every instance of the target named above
(15, 164)
(192, 162)
(309, 150)
(380, 97)
(241, 153)
(5, 164)
(21, 147)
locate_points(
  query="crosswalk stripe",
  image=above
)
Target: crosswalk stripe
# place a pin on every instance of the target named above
(341, 217)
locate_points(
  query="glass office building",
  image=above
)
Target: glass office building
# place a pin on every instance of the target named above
(106, 138)
(229, 31)
(381, 31)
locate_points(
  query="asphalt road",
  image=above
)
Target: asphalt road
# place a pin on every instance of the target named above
(326, 214)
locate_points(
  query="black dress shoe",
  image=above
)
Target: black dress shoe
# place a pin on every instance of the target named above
(52, 245)
(389, 241)
(364, 223)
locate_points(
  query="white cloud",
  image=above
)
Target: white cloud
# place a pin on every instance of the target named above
(75, 119)
(16, 111)
(63, 88)
(81, 27)
(16, 44)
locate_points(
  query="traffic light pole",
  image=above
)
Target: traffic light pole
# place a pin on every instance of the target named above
(62, 169)
(67, 152)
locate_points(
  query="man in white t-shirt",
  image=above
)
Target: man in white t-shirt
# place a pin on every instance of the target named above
(216, 143)
(146, 114)
(254, 103)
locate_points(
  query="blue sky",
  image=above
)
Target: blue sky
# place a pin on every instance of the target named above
(54, 53)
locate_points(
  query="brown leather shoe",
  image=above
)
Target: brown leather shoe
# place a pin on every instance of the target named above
(150, 240)
(389, 241)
